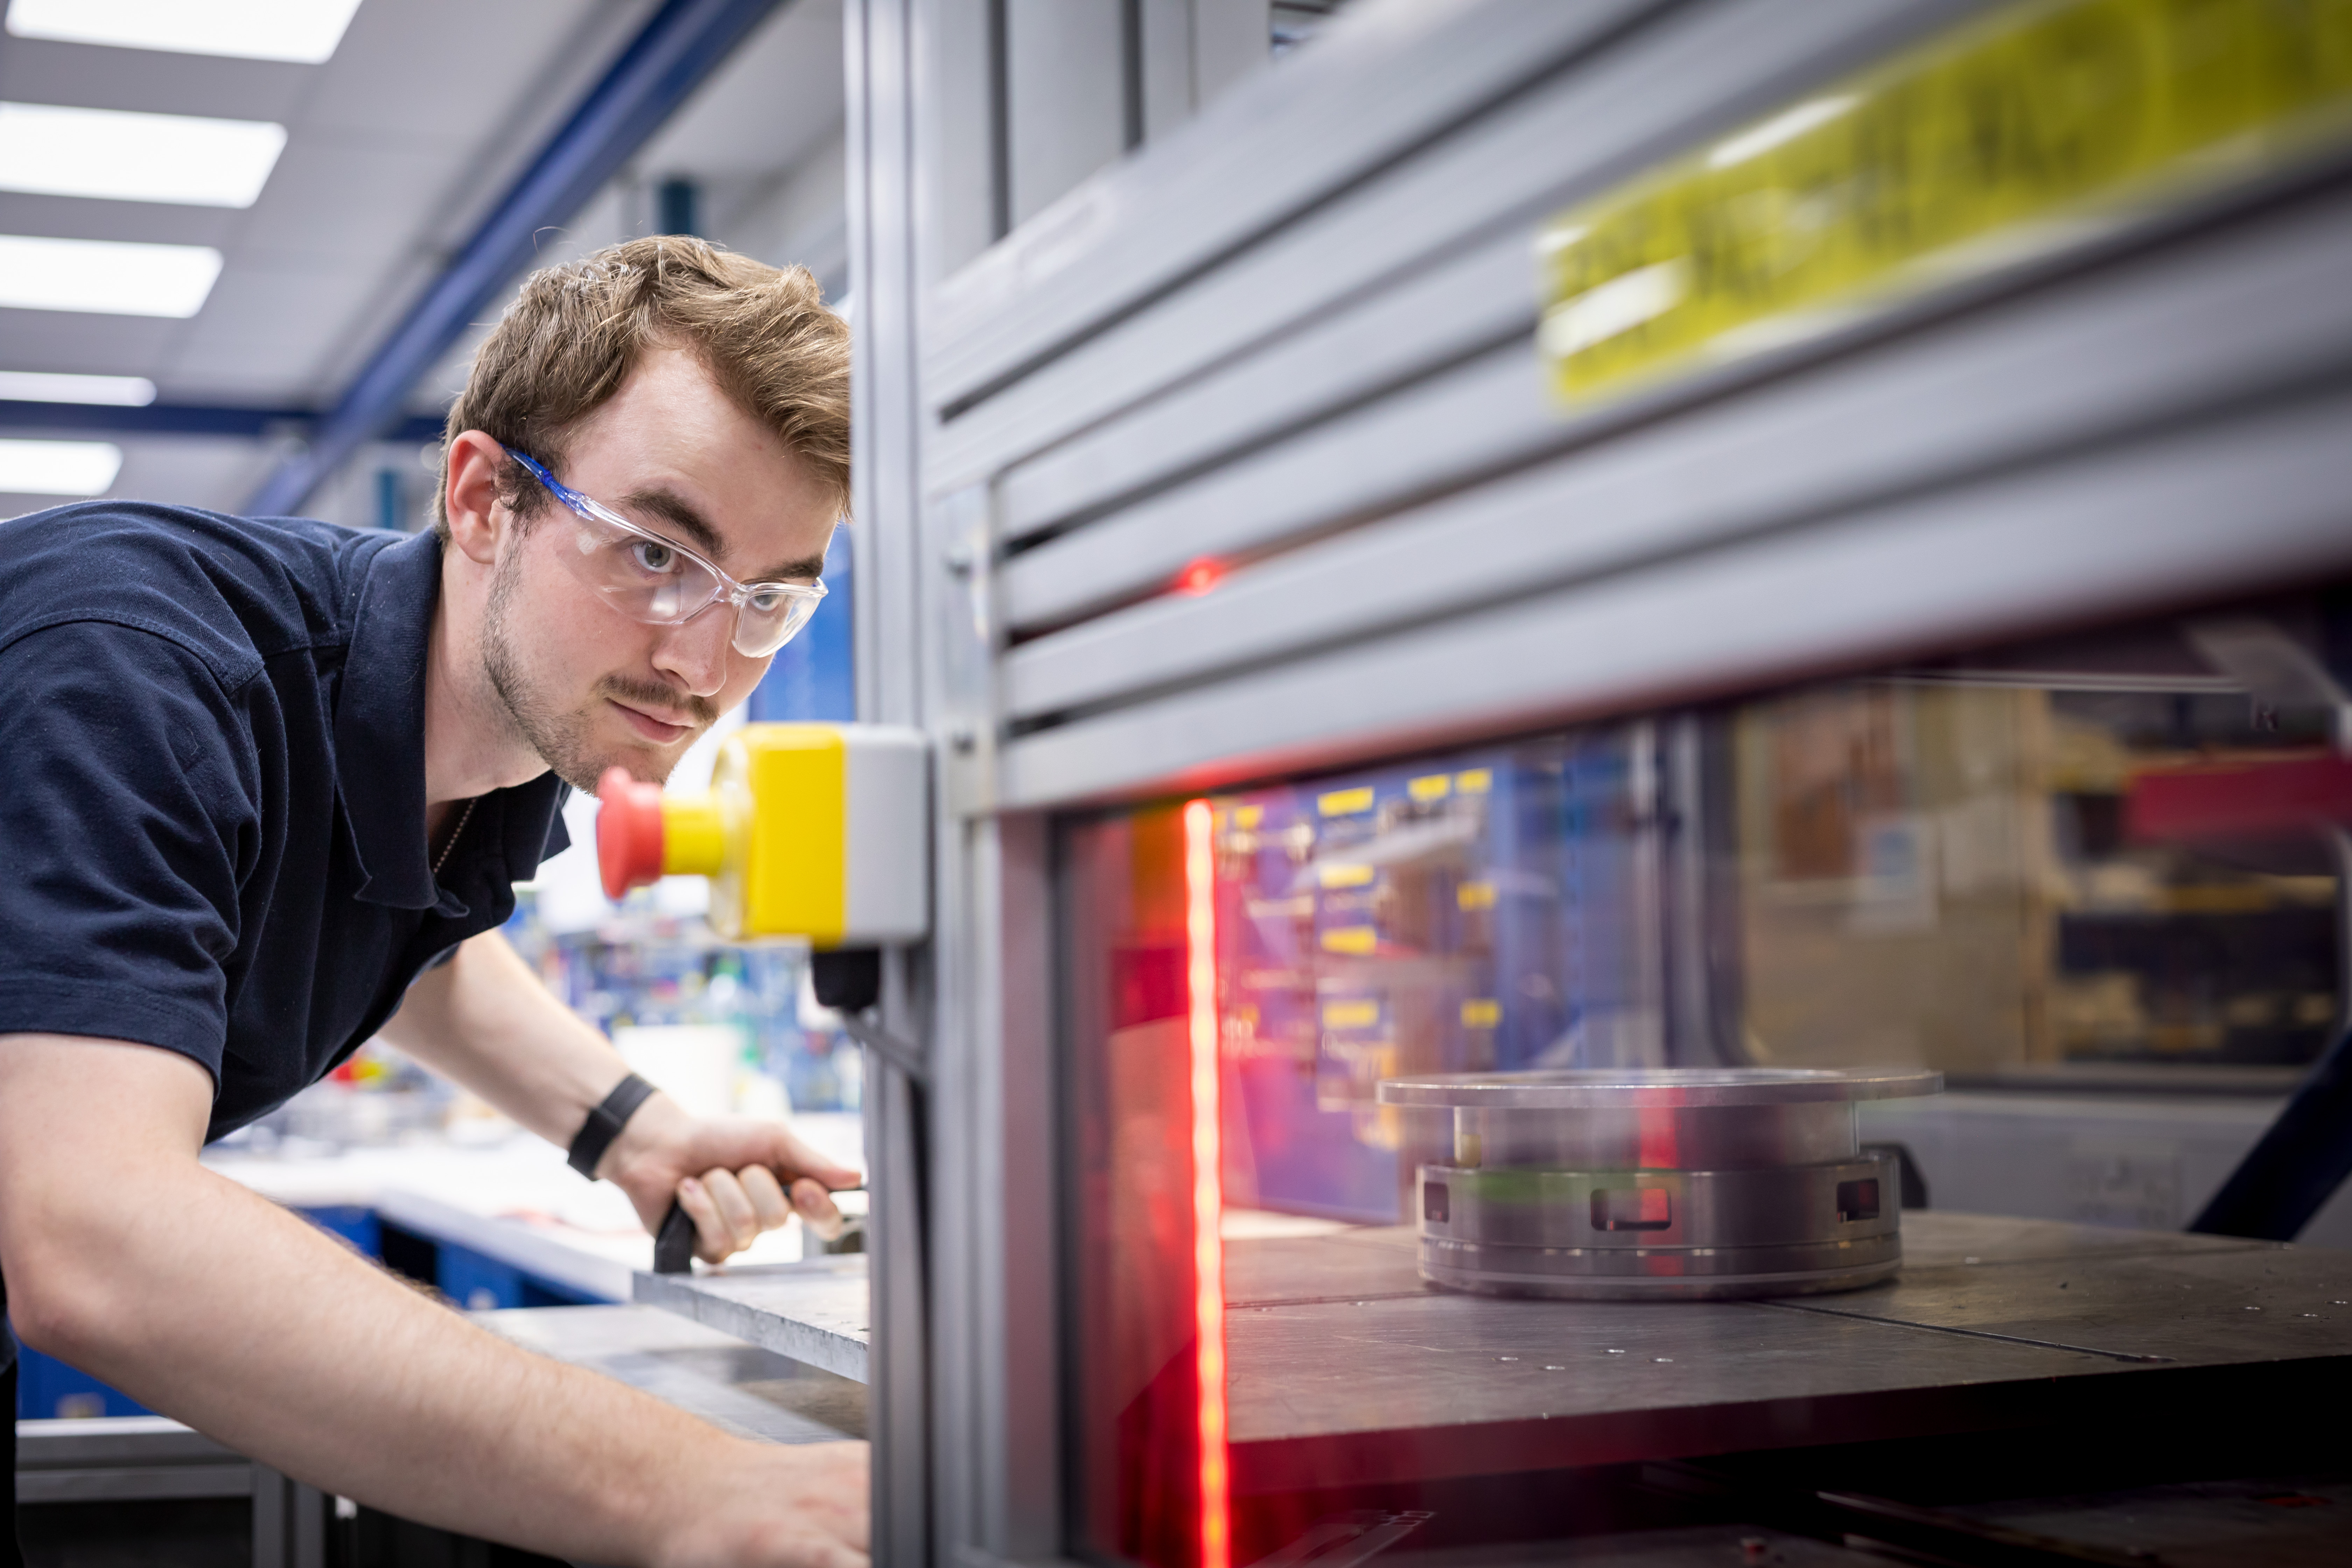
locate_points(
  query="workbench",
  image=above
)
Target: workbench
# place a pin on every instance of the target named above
(1345, 1368)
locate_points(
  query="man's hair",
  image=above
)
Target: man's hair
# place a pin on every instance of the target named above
(572, 338)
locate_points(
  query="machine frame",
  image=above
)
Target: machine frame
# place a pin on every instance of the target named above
(1294, 329)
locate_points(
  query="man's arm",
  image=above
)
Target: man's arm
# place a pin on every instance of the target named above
(484, 1020)
(127, 1258)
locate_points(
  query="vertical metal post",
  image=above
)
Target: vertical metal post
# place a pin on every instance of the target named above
(887, 423)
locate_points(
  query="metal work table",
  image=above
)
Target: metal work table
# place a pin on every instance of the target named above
(1345, 1368)
(815, 1311)
(741, 1387)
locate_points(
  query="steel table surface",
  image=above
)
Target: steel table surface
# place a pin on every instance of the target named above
(815, 1310)
(742, 1388)
(1344, 1367)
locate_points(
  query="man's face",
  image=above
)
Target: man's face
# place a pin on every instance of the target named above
(588, 687)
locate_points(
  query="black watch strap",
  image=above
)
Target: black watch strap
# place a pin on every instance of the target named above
(605, 1124)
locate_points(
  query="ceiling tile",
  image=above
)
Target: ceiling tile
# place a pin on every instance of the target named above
(80, 217)
(91, 345)
(34, 71)
(341, 197)
(217, 475)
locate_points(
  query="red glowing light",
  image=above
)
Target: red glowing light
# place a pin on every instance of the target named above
(1208, 1179)
(1200, 576)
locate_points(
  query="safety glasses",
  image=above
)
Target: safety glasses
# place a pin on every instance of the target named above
(661, 582)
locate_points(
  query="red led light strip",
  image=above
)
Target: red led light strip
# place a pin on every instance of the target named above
(1208, 1179)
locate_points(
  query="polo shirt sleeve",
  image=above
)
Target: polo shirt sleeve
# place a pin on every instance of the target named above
(132, 820)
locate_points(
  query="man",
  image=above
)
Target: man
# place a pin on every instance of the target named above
(267, 784)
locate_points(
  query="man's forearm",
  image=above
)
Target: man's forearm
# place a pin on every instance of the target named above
(486, 1020)
(128, 1260)
(285, 1346)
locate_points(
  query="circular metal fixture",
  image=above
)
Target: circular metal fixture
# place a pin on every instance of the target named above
(1659, 1183)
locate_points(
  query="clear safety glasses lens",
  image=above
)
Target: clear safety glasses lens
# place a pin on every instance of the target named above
(650, 580)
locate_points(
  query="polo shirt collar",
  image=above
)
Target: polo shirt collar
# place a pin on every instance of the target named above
(379, 749)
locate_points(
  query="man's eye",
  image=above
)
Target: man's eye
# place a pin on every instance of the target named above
(767, 602)
(653, 556)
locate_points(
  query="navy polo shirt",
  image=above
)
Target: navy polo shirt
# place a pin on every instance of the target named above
(212, 792)
(212, 752)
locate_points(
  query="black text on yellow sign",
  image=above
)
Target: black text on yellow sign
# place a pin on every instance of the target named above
(2040, 123)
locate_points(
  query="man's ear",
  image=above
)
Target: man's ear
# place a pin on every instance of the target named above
(472, 497)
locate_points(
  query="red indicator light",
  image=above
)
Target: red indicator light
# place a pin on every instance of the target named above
(1200, 576)
(1208, 1179)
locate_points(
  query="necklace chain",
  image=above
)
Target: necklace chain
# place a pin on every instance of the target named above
(459, 832)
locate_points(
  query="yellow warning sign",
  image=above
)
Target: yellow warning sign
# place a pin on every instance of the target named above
(2037, 126)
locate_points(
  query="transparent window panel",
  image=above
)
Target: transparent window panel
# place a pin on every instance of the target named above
(2110, 862)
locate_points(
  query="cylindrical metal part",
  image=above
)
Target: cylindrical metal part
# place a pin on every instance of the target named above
(1660, 1182)
(1655, 1137)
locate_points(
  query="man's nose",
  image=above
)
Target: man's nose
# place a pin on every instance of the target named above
(695, 654)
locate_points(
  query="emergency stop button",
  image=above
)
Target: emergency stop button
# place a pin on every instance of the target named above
(628, 832)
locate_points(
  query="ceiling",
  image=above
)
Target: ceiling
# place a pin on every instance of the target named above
(396, 148)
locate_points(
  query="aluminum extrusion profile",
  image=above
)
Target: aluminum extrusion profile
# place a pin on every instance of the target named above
(1655, 89)
(1368, 93)
(2012, 555)
(2253, 309)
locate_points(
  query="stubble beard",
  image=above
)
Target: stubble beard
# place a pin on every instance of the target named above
(561, 736)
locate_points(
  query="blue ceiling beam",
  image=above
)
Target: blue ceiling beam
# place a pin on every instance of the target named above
(675, 52)
(187, 420)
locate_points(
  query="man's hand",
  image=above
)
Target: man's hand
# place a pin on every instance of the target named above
(798, 1507)
(484, 1020)
(735, 1176)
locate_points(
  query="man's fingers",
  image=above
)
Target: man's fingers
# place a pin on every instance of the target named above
(710, 1232)
(735, 1211)
(769, 1204)
(816, 1207)
(794, 1155)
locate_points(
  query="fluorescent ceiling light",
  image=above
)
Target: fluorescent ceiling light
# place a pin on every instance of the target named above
(109, 276)
(42, 386)
(305, 31)
(126, 157)
(58, 467)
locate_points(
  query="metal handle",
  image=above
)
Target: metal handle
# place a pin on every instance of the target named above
(674, 1243)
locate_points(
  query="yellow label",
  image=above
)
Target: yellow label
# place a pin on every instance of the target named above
(1434, 786)
(1350, 1015)
(1248, 816)
(1340, 874)
(794, 871)
(1351, 938)
(1475, 781)
(1345, 802)
(2006, 138)
(1475, 896)
(1481, 1013)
